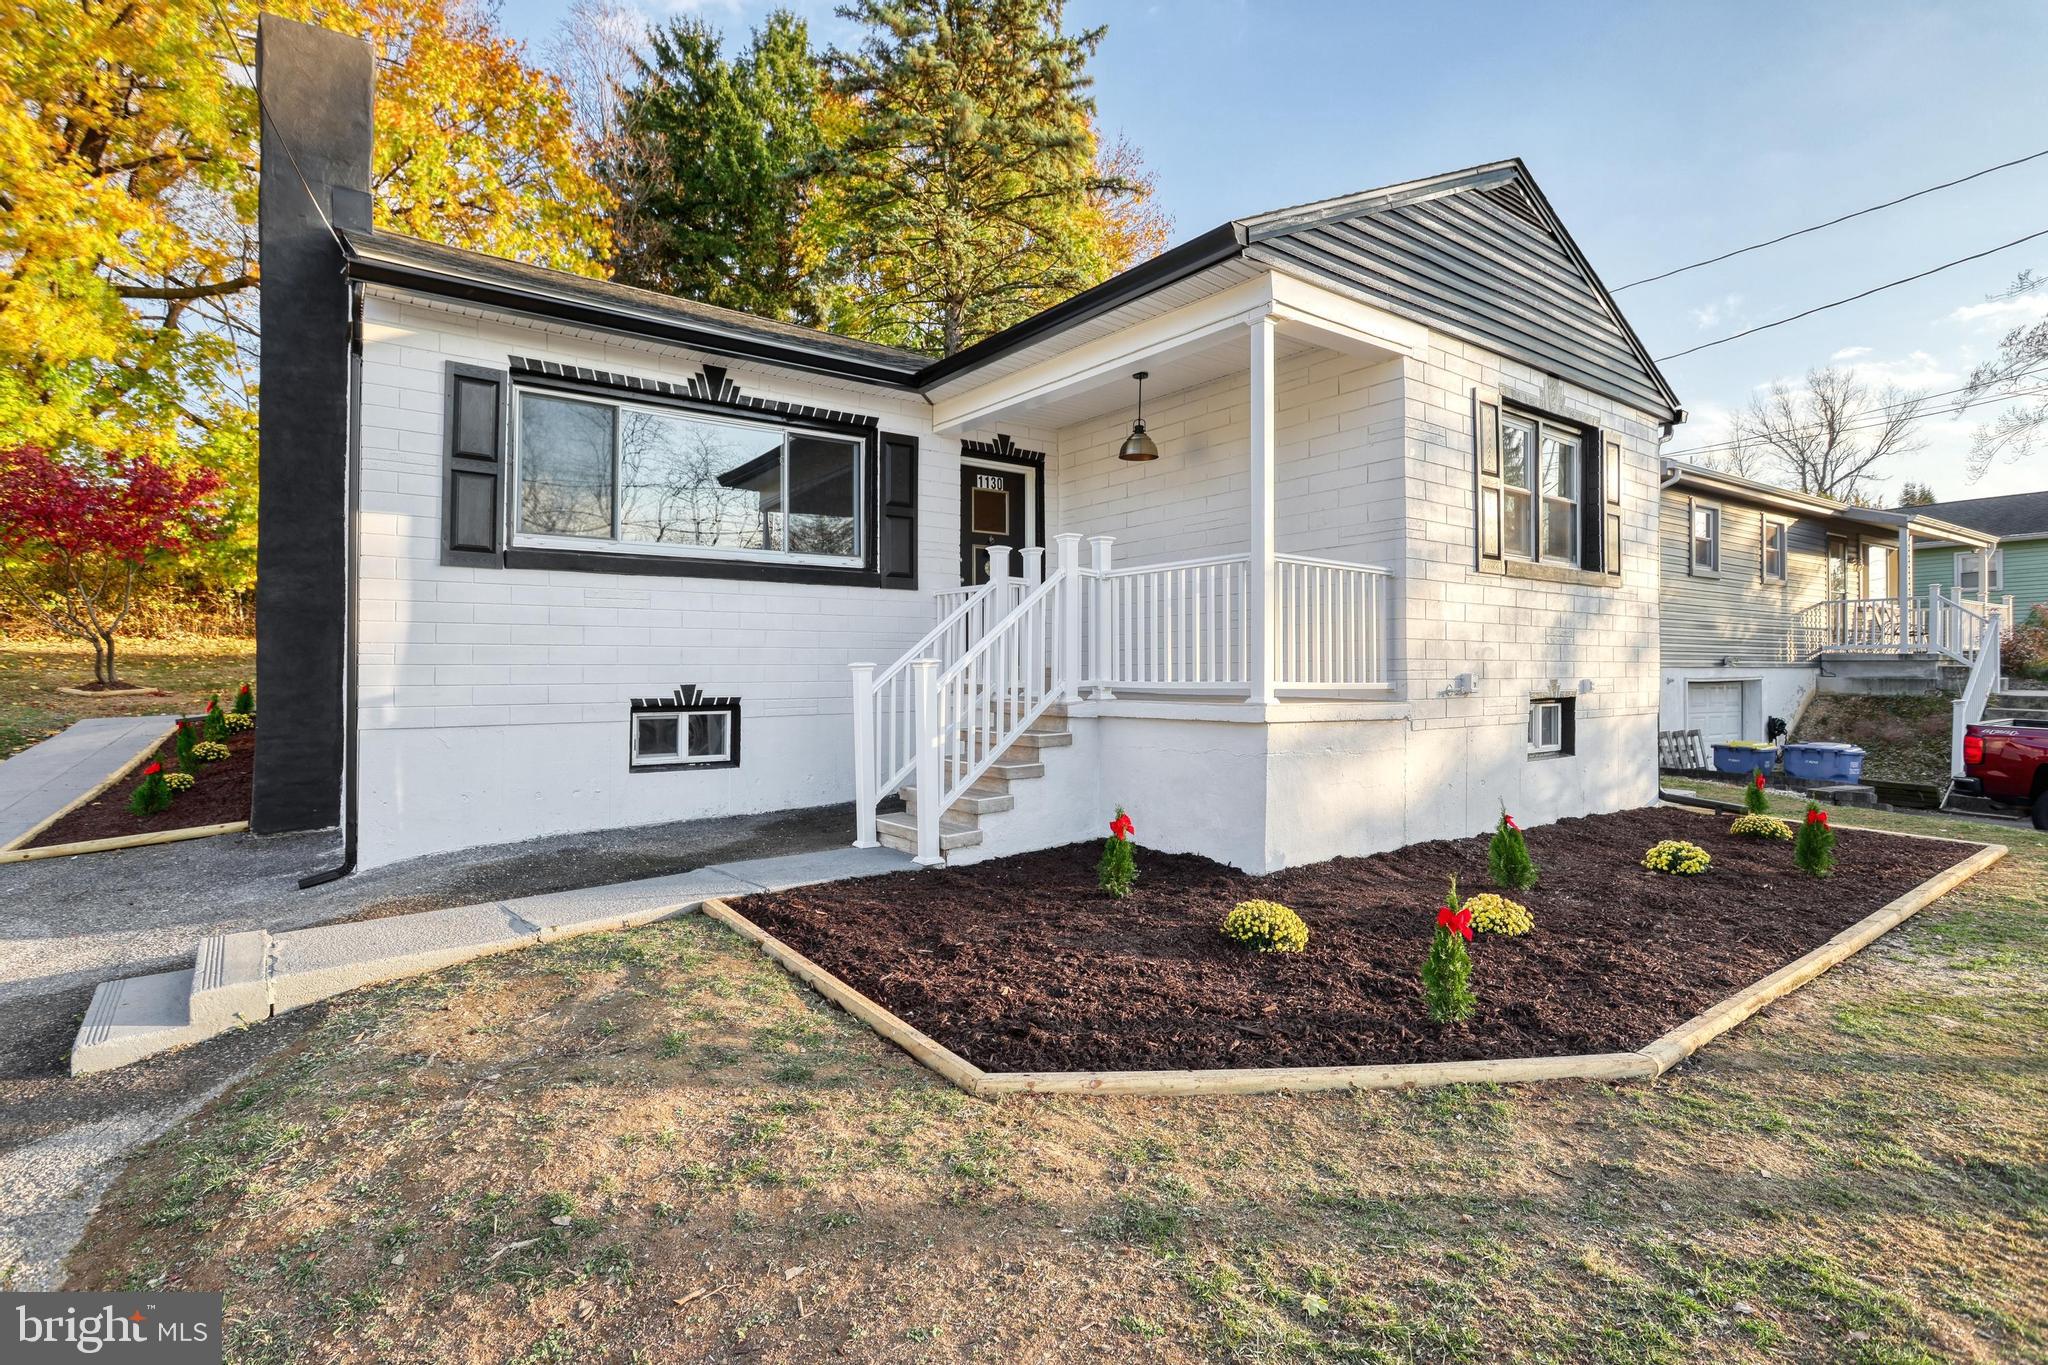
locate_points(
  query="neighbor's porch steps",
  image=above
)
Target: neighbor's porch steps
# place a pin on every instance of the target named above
(989, 794)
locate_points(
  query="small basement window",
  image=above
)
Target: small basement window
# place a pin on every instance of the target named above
(687, 732)
(1550, 726)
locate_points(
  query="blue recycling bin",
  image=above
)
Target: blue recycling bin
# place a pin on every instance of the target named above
(1824, 761)
(1743, 757)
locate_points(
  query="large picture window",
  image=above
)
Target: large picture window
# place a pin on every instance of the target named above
(645, 478)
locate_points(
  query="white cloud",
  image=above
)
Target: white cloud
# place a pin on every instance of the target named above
(1850, 353)
(1999, 314)
(1720, 311)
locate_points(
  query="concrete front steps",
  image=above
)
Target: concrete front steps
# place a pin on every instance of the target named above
(990, 794)
(241, 979)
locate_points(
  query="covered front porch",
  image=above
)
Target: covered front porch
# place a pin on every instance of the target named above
(1233, 562)
(1872, 606)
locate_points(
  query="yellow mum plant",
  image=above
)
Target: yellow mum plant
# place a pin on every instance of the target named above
(1498, 915)
(1761, 827)
(209, 751)
(179, 782)
(1677, 857)
(1267, 926)
(238, 722)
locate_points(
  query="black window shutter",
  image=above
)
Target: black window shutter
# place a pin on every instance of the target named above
(1592, 499)
(896, 543)
(1611, 462)
(1486, 488)
(479, 402)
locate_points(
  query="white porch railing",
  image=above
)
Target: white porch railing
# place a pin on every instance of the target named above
(1937, 624)
(1004, 652)
(1968, 709)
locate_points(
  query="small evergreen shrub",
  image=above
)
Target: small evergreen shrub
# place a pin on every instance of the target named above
(153, 795)
(245, 702)
(1266, 926)
(1813, 848)
(1493, 914)
(1677, 857)
(238, 722)
(180, 782)
(1447, 971)
(209, 751)
(1761, 827)
(1753, 796)
(1507, 857)
(186, 739)
(1118, 870)
(215, 724)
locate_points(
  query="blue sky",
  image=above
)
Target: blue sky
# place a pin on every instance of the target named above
(1662, 133)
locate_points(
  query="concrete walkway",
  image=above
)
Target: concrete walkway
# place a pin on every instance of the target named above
(47, 778)
(243, 979)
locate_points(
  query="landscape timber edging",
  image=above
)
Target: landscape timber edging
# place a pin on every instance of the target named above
(119, 841)
(1646, 1063)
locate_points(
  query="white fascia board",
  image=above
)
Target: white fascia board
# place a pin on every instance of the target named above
(1301, 308)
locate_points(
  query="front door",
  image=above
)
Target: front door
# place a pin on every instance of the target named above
(992, 512)
(1842, 568)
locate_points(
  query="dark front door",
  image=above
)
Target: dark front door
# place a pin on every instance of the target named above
(991, 513)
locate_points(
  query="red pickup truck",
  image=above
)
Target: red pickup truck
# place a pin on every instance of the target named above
(2007, 761)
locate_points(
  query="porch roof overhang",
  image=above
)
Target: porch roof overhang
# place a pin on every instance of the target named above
(1185, 334)
(1679, 474)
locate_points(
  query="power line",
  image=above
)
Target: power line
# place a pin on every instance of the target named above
(1801, 232)
(235, 41)
(1877, 422)
(1876, 289)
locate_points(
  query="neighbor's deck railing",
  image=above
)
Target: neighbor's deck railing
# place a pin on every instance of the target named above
(1936, 623)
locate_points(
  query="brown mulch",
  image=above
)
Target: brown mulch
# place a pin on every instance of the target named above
(1022, 964)
(221, 797)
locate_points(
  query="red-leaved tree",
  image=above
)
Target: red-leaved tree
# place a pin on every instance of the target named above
(78, 532)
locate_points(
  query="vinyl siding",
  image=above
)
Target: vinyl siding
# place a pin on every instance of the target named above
(1737, 615)
(2026, 573)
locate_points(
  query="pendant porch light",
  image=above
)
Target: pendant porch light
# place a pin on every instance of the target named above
(1137, 445)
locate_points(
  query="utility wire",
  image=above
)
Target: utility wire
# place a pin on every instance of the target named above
(1866, 426)
(1875, 289)
(1801, 232)
(235, 41)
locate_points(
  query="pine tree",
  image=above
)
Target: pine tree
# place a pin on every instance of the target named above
(215, 724)
(1753, 796)
(971, 169)
(152, 795)
(1507, 855)
(1447, 971)
(1813, 847)
(186, 740)
(1117, 871)
(245, 702)
(716, 169)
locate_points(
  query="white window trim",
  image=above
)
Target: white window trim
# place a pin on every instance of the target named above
(1975, 560)
(615, 544)
(682, 758)
(1692, 511)
(1784, 529)
(1537, 709)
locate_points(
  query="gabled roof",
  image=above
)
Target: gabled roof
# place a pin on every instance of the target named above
(2013, 515)
(1681, 474)
(1477, 253)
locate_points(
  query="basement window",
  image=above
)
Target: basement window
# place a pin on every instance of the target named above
(1550, 727)
(688, 731)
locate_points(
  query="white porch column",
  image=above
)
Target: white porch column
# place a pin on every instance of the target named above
(1102, 650)
(1261, 634)
(864, 796)
(1905, 574)
(1068, 547)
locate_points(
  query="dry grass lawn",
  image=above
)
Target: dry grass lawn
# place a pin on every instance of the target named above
(653, 1146)
(187, 670)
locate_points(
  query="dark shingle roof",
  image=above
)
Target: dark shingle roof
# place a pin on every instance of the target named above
(2014, 514)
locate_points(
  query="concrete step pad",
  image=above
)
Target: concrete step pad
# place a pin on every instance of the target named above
(900, 833)
(136, 1018)
(1010, 771)
(973, 803)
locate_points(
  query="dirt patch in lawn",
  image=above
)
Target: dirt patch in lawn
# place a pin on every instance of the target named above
(1021, 964)
(220, 797)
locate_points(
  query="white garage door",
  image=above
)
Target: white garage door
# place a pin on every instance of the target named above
(1715, 710)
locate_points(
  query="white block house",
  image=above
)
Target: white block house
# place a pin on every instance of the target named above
(616, 558)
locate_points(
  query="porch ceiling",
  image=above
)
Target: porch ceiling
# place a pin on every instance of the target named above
(1168, 372)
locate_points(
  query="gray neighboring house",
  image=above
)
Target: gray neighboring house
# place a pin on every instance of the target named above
(1768, 596)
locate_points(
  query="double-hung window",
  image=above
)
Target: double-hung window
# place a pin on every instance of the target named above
(1774, 551)
(1539, 490)
(1970, 573)
(647, 479)
(1706, 538)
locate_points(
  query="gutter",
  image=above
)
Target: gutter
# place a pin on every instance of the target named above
(351, 668)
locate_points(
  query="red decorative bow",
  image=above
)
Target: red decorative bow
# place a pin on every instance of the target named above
(1122, 827)
(1508, 820)
(1457, 921)
(1816, 817)
(1759, 779)
(152, 770)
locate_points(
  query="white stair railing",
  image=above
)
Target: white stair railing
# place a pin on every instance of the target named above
(1968, 709)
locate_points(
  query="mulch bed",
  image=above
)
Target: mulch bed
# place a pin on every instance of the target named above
(1021, 964)
(221, 797)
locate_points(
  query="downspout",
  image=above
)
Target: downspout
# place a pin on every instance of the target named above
(350, 669)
